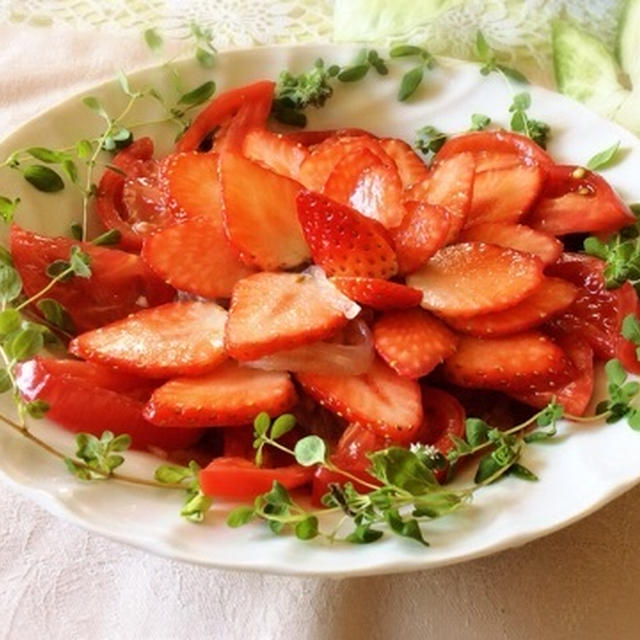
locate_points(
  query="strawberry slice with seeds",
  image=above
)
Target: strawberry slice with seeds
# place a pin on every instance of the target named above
(259, 208)
(516, 236)
(179, 338)
(272, 312)
(380, 399)
(471, 278)
(342, 241)
(195, 256)
(275, 151)
(575, 396)
(190, 181)
(526, 361)
(505, 195)
(451, 186)
(423, 231)
(378, 294)
(552, 297)
(230, 395)
(378, 195)
(413, 342)
(410, 166)
(342, 181)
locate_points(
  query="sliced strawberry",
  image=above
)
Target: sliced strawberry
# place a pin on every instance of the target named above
(252, 114)
(413, 342)
(120, 282)
(523, 362)
(195, 256)
(423, 231)
(179, 338)
(409, 164)
(504, 195)
(311, 138)
(451, 187)
(316, 169)
(578, 201)
(379, 399)
(597, 312)
(191, 183)
(344, 242)
(575, 396)
(378, 294)
(516, 236)
(275, 151)
(271, 312)
(259, 209)
(343, 179)
(230, 395)
(552, 297)
(467, 279)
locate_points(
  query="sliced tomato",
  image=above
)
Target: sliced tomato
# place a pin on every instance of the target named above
(222, 108)
(131, 200)
(90, 398)
(492, 149)
(575, 200)
(120, 283)
(597, 312)
(240, 479)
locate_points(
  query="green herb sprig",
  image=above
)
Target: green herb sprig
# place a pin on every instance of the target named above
(196, 504)
(413, 78)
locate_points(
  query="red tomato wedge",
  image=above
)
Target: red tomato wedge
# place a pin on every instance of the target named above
(86, 397)
(239, 479)
(120, 282)
(576, 200)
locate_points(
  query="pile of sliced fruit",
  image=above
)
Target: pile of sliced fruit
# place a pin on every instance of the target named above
(332, 274)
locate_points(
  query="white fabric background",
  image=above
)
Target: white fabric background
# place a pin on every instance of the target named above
(57, 581)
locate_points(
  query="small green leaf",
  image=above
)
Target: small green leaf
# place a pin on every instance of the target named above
(512, 73)
(70, 169)
(403, 469)
(10, 283)
(282, 424)
(199, 95)
(196, 507)
(43, 178)
(10, 320)
(631, 328)
(56, 268)
(364, 534)
(95, 105)
(121, 442)
(153, 39)
(307, 529)
(519, 471)
(483, 50)
(277, 495)
(172, 474)
(476, 431)
(310, 450)
(604, 158)
(76, 231)
(54, 313)
(107, 238)
(123, 81)
(78, 471)
(205, 57)
(403, 50)
(240, 516)
(7, 208)
(37, 409)
(24, 344)
(353, 73)
(479, 122)
(633, 418)
(261, 424)
(79, 262)
(5, 257)
(50, 156)
(487, 467)
(84, 149)
(429, 139)
(521, 102)
(615, 372)
(410, 82)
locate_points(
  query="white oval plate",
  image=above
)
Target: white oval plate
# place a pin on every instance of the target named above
(578, 473)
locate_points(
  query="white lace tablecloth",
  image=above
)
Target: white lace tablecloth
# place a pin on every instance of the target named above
(57, 581)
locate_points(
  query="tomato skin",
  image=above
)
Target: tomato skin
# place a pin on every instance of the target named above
(492, 143)
(223, 107)
(117, 283)
(597, 313)
(240, 479)
(89, 398)
(110, 206)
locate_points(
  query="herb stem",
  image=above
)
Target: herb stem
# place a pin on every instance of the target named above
(48, 287)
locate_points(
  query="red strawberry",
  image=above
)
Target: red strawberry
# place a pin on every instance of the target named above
(423, 231)
(379, 399)
(576, 394)
(190, 181)
(409, 164)
(467, 279)
(179, 338)
(310, 138)
(344, 242)
(271, 312)
(378, 294)
(516, 236)
(259, 209)
(275, 151)
(230, 395)
(343, 180)
(523, 362)
(451, 187)
(552, 297)
(504, 195)
(195, 256)
(413, 342)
